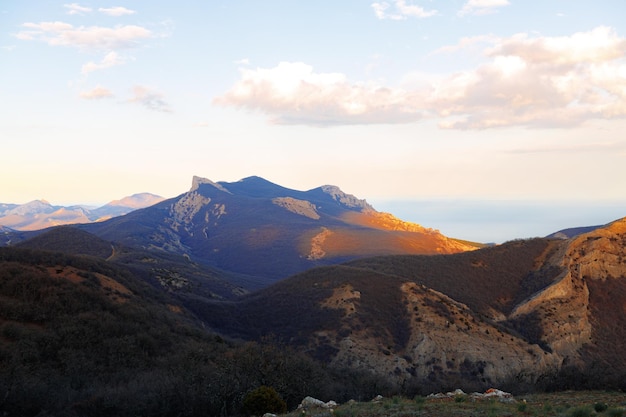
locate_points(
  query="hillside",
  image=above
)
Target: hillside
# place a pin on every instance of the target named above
(82, 337)
(256, 228)
(170, 272)
(540, 313)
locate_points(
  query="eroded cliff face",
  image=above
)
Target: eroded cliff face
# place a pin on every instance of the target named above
(563, 308)
(600, 254)
(447, 341)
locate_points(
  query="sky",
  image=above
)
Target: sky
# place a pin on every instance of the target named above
(502, 115)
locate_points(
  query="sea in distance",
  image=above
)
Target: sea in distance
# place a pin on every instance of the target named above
(498, 221)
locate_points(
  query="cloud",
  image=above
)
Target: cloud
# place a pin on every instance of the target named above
(555, 82)
(75, 8)
(116, 11)
(400, 10)
(150, 99)
(110, 60)
(482, 7)
(96, 94)
(292, 93)
(539, 82)
(598, 45)
(84, 38)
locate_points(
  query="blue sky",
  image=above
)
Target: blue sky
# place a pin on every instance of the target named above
(482, 100)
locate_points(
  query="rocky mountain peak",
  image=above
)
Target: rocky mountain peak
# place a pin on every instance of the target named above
(33, 207)
(347, 200)
(198, 181)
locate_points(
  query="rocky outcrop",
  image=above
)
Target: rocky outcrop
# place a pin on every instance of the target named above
(347, 200)
(300, 207)
(446, 341)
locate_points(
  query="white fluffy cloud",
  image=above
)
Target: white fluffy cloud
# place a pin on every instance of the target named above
(85, 38)
(400, 10)
(541, 81)
(292, 93)
(116, 11)
(481, 7)
(525, 81)
(110, 60)
(76, 9)
(96, 93)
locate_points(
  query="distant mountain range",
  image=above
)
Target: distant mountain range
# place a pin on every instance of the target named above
(40, 214)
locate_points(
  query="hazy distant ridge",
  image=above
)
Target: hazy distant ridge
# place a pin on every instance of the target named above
(40, 214)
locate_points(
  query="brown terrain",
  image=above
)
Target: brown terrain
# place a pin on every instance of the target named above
(518, 314)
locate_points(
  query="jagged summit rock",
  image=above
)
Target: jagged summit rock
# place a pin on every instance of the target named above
(347, 200)
(199, 181)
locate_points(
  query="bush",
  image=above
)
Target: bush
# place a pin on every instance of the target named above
(600, 407)
(583, 411)
(615, 412)
(264, 400)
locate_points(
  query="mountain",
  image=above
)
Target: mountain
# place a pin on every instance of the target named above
(125, 205)
(527, 314)
(260, 229)
(40, 214)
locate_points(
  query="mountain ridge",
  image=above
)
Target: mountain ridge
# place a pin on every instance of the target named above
(40, 214)
(258, 228)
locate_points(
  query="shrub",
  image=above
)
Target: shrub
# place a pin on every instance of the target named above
(600, 407)
(583, 411)
(615, 412)
(264, 400)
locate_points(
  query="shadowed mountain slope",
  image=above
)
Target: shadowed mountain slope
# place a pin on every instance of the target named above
(166, 271)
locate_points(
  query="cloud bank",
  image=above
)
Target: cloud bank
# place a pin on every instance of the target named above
(526, 81)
